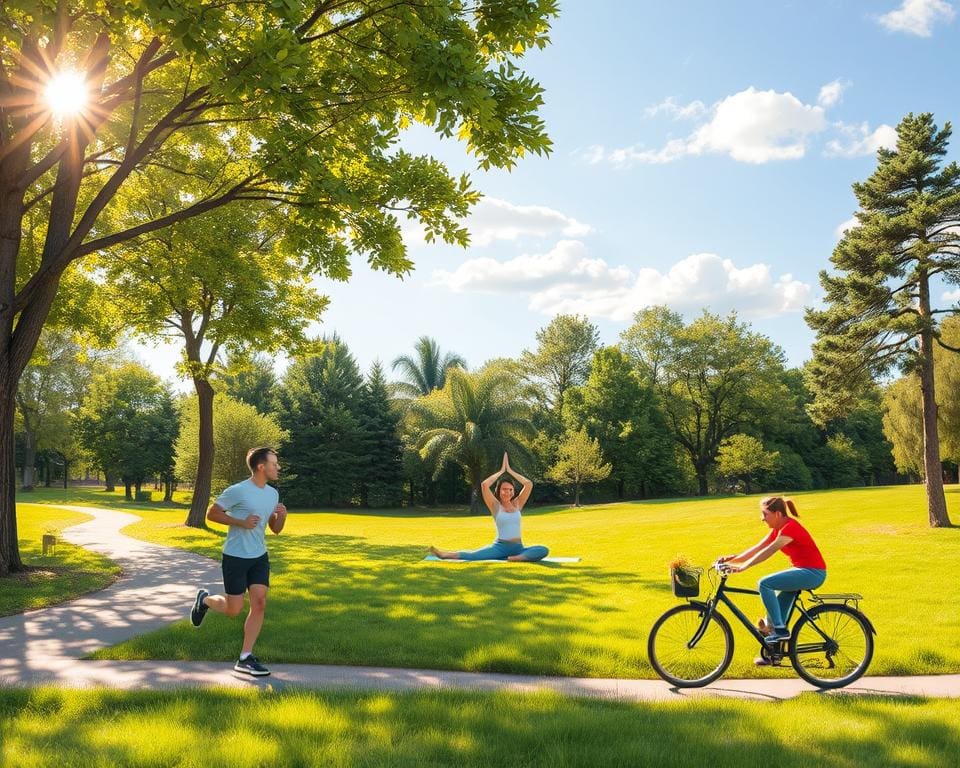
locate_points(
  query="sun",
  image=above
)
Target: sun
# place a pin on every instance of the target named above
(66, 93)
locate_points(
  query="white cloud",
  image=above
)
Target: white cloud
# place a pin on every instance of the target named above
(951, 295)
(857, 140)
(567, 280)
(918, 17)
(567, 261)
(759, 126)
(493, 219)
(843, 226)
(750, 126)
(831, 93)
(670, 108)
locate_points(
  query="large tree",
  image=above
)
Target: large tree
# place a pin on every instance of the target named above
(471, 422)
(561, 360)
(623, 414)
(880, 309)
(128, 422)
(221, 281)
(306, 100)
(715, 378)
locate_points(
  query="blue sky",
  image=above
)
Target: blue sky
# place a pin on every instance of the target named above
(703, 156)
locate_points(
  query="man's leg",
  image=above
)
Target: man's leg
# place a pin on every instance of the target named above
(254, 622)
(228, 605)
(234, 586)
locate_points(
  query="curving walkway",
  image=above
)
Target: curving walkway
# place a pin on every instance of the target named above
(157, 588)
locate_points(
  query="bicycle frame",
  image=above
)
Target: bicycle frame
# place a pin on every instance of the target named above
(720, 596)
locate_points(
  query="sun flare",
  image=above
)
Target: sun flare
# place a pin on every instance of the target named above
(66, 93)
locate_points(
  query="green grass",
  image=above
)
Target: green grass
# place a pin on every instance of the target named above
(353, 588)
(55, 577)
(251, 728)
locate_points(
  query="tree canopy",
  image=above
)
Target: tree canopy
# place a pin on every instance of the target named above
(880, 310)
(297, 104)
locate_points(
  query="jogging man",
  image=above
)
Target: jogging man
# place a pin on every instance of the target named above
(246, 508)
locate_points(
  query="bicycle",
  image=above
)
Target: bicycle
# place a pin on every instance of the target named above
(830, 646)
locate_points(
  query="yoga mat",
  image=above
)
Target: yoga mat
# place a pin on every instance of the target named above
(434, 558)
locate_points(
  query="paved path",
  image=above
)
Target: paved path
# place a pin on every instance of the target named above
(158, 585)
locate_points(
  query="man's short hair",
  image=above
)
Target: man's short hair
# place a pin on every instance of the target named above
(258, 456)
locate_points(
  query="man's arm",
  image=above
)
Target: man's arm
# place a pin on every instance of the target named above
(217, 514)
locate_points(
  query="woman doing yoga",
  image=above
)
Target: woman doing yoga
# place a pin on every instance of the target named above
(505, 507)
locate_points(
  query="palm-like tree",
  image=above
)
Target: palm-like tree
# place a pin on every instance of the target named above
(426, 370)
(471, 422)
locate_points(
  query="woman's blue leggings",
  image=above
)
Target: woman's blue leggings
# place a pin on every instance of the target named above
(779, 590)
(501, 550)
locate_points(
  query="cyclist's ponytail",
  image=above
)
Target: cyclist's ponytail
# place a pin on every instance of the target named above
(781, 505)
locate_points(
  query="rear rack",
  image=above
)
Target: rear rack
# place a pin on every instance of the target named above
(850, 599)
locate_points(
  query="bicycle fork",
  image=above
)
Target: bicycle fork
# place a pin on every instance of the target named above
(709, 608)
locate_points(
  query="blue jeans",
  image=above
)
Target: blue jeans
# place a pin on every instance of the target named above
(501, 550)
(779, 590)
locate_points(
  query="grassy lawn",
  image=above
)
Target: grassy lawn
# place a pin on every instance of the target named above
(55, 577)
(353, 588)
(249, 728)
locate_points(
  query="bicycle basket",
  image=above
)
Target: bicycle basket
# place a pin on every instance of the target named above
(685, 581)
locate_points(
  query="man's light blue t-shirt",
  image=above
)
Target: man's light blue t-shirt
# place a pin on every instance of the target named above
(244, 499)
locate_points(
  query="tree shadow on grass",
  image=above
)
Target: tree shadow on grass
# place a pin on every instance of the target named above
(45, 726)
(338, 599)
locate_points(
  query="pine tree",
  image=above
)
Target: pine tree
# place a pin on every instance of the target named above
(381, 475)
(320, 410)
(880, 312)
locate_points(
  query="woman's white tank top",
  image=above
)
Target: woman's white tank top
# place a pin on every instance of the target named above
(508, 523)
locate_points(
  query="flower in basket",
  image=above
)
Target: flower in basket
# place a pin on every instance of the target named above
(681, 569)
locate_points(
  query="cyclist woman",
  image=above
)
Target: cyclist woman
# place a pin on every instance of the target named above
(505, 507)
(778, 590)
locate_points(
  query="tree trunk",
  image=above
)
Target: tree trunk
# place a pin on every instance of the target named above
(9, 547)
(576, 495)
(126, 490)
(66, 472)
(29, 459)
(109, 482)
(704, 489)
(168, 489)
(932, 468)
(202, 485)
(476, 496)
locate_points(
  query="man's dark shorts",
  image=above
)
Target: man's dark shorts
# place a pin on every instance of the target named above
(240, 572)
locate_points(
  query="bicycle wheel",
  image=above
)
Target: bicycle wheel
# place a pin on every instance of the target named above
(672, 657)
(832, 646)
